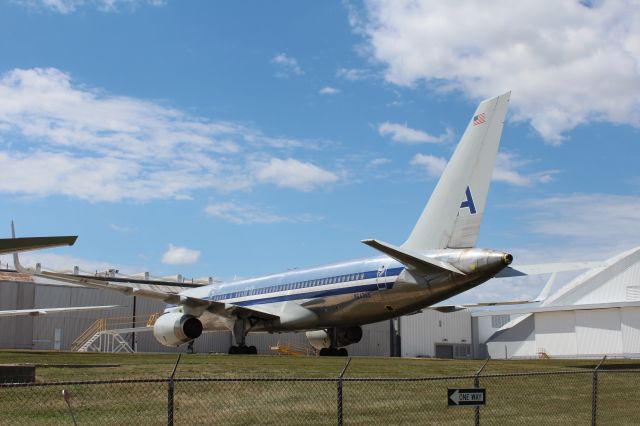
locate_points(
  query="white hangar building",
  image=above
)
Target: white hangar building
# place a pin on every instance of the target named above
(596, 314)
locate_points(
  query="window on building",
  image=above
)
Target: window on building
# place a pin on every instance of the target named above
(498, 321)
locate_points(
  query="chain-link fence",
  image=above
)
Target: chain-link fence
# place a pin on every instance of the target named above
(565, 397)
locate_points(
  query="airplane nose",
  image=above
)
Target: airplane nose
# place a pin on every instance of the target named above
(507, 259)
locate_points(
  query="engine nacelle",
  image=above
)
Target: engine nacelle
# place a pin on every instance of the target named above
(175, 328)
(345, 336)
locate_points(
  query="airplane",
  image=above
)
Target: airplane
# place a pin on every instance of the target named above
(331, 303)
(13, 245)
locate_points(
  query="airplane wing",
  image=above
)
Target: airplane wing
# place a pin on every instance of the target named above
(13, 245)
(47, 311)
(151, 290)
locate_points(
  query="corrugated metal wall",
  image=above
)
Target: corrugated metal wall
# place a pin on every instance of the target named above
(555, 333)
(599, 332)
(631, 331)
(16, 332)
(39, 332)
(421, 332)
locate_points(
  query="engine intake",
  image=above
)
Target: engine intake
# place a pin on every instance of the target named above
(345, 336)
(174, 329)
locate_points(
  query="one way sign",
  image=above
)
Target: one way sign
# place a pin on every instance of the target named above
(459, 397)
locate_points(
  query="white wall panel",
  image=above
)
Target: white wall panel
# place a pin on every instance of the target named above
(508, 350)
(555, 333)
(631, 331)
(598, 332)
(422, 331)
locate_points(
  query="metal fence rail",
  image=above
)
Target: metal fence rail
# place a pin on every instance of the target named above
(564, 397)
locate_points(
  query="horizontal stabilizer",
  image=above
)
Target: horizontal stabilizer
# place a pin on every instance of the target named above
(454, 308)
(13, 245)
(412, 259)
(546, 268)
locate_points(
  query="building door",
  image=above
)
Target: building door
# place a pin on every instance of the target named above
(444, 350)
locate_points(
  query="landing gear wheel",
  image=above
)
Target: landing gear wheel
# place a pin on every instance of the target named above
(333, 352)
(243, 350)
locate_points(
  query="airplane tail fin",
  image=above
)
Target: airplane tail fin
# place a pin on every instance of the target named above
(453, 214)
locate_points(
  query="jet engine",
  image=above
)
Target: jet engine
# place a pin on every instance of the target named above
(175, 328)
(345, 336)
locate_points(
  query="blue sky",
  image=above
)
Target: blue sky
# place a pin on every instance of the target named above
(242, 138)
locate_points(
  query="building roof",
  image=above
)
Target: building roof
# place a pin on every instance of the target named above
(607, 284)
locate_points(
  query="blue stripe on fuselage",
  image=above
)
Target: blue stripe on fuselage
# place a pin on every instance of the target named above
(357, 288)
(314, 294)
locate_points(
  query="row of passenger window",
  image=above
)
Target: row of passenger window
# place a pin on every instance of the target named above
(290, 286)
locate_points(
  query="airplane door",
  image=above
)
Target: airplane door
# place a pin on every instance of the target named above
(381, 277)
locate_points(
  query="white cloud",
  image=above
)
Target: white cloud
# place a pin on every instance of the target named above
(506, 171)
(353, 74)
(247, 214)
(180, 256)
(59, 137)
(291, 173)
(123, 229)
(379, 162)
(433, 165)
(568, 63)
(327, 90)
(69, 6)
(402, 133)
(286, 65)
(595, 219)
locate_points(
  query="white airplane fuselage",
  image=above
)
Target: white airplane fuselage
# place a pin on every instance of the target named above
(350, 293)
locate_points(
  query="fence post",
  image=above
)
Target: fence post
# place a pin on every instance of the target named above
(339, 383)
(476, 384)
(594, 393)
(170, 393)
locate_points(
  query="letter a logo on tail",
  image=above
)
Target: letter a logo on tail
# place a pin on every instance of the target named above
(468, 202)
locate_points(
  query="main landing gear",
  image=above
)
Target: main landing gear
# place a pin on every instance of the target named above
(243, 350)
(240, 333)
(331, 351)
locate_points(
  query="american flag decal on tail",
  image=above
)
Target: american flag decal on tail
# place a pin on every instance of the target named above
(478, 119)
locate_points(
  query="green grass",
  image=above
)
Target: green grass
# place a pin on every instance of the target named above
(536, 399)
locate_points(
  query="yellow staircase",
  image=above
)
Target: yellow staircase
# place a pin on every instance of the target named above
(293, 348)
(542, 354)
(104, 335)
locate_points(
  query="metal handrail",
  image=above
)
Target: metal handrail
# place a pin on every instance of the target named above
(96, 327)
(111, 323)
